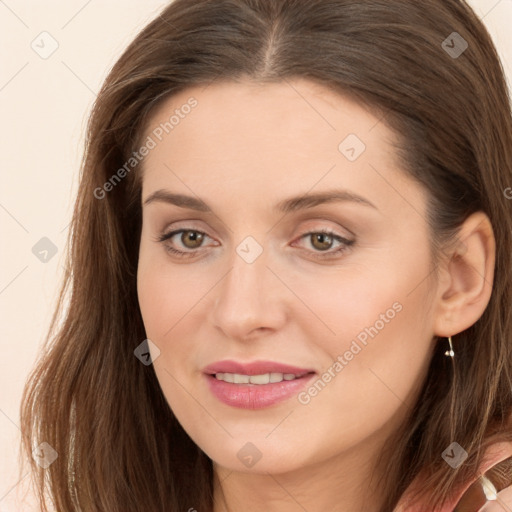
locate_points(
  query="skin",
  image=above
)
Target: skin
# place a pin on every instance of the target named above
(244, 148)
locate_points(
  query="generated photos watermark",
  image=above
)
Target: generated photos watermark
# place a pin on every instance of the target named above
(150, 143)
(305, 397)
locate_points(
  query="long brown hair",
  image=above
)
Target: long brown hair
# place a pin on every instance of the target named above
(119, 446)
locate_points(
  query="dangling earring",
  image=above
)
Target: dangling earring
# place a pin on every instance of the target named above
(450, 352)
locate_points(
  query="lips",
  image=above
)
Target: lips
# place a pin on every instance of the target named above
(255, 395)
(254, 368)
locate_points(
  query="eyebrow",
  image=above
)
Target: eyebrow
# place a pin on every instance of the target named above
(289, 205)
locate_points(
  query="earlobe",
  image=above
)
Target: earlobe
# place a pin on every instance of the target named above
(468, 272)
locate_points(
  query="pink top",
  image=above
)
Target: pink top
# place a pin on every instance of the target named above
(494, 455)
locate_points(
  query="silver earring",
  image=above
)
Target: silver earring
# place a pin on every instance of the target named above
(450, 352)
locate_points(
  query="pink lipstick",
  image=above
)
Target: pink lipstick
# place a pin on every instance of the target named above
(257, 384)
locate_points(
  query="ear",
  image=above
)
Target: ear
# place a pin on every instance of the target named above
(466, 277)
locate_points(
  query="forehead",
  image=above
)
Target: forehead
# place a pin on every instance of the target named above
(296, 131)
(267, 109)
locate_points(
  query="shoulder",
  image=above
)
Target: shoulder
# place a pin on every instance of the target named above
(492, 489)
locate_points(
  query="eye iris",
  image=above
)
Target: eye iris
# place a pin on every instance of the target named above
(193, 236)
(320, 237)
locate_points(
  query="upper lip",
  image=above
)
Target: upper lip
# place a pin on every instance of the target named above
(254, 368)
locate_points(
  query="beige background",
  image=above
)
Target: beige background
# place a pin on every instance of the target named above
(44, 104)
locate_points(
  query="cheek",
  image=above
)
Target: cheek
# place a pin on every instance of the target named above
(171, 304)
(341, 305)
(376, 317)
(164, 300)
(385, 298)
(376, 359)
(378, 341)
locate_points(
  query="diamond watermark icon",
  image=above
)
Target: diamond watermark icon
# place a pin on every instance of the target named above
(454, 455)
(249, 455)
(249, 249)
(44, 250)
(45, 45)
(454, 45)
(147, 352)
(44, 455)
(352, 147)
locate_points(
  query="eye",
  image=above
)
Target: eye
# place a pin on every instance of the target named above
(322, 240)
(190, 238)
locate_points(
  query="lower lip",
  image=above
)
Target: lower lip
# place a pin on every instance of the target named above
(256, 396)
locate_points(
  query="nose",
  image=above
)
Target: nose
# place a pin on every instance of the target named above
(250, 297)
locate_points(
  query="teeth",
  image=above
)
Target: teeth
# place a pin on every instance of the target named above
(265, 378)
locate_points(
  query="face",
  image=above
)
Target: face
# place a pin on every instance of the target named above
(340, 288)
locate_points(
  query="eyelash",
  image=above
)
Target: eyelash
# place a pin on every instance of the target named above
(346, 244)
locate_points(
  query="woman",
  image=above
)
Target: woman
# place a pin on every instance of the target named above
(289, 268)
